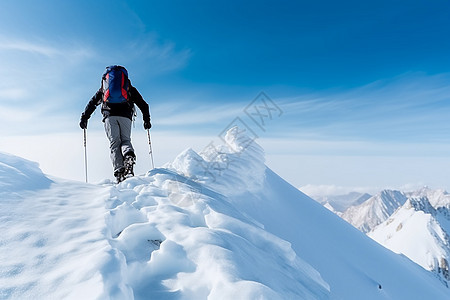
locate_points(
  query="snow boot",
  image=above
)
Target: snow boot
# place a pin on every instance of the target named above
(129, 161)
(120, 175)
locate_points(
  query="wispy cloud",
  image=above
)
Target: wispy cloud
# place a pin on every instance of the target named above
(322, 190)
(13, 93)
(146, 55)
(412, 106)
(56, 49)
(318, 191)
(162, 57)
(35, 88)
(196, 113)
(29, 47)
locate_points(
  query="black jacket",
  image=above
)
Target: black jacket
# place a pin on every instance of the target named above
(117, 109)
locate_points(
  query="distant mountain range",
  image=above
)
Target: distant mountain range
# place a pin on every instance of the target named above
(416, 224)
(341, 203)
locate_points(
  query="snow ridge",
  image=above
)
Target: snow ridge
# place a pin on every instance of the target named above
(181, 239)
(179, 235)
(18, 174)
(420, 204)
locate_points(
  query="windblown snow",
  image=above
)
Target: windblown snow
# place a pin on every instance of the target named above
(217, 224)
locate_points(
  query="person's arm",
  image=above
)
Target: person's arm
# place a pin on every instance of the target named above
(90, 108)
(143, 106)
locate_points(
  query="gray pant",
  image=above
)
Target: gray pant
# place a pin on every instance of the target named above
(118, 130)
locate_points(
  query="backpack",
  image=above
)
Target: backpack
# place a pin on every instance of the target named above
(115, 85)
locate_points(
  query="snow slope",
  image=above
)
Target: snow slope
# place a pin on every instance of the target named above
(375, 210)
(52, 244)
(212, 225)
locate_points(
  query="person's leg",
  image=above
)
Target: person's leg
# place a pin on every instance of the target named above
(112, 128)
(126, 147)
(125, 136)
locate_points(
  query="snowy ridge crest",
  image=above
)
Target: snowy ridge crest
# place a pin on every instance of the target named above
(438, 198)
(233, 168)
(375, 210)
(420, 204)
(174, 239)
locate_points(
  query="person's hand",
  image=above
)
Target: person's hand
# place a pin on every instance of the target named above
(147, 124)
(83, 123)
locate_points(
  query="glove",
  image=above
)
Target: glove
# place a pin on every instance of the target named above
(83, 123)
(147, 124)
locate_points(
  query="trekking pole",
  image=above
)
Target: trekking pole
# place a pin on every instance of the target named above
(85, 155)
(150, 146)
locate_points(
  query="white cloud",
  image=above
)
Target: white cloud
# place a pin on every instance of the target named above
(29, 47)
(67, 50)
(175, 114)
(145, 55)
(13, 93)
(322, 190)
(341, 166)
(410, 107)
(334, 190)
(11, 115)
(164, 57)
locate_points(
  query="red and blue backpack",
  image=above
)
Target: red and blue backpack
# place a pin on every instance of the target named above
(115, 85)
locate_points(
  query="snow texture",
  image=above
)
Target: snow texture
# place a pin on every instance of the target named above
(212, 225)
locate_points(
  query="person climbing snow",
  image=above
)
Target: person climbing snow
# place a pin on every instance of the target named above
(118, 97)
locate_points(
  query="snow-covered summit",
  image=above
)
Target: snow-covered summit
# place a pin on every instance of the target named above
(437, 198)
(212, 225)
(375, 210)
(420, 204)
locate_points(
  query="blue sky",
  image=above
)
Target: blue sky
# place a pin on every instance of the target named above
(360, 84)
